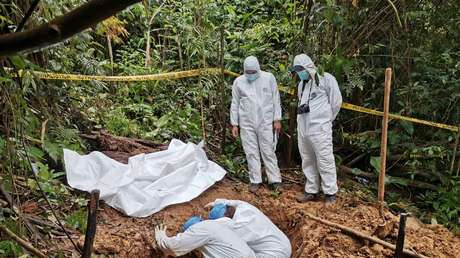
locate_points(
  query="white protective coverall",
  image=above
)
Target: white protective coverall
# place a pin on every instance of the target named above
(259, 232)
(255, 106)
(210, 237)
(314, 129)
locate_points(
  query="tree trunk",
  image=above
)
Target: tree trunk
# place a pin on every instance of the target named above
(179, 49)
(109, 47)
(148, 60)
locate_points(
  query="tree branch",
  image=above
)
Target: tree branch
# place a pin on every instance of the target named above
(29, 247)
(62, 27)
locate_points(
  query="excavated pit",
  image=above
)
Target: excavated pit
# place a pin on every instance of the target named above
(122, 236)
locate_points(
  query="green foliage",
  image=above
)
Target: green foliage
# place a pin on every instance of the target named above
(2, 145)
(77, 220)
(59, 138)
(444, 204)
(236, 165)
(375, 163)
(366, 141)
(9, 248)
(49, 182)
(119, 124)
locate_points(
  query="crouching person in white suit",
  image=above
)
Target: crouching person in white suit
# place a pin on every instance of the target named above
(213, 239)
(251, 225)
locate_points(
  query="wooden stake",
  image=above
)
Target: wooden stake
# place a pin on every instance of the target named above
(92, 224)
(203, 118)
(363, 236)
(222, 91)
(22, 242)
(383, 145)
(401, 236)
(292, 125)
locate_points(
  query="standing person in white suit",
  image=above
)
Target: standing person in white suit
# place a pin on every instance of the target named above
(255, 113)
(319, 103)
(251, 225)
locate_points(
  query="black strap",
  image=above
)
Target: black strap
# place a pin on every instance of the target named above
(309, 92)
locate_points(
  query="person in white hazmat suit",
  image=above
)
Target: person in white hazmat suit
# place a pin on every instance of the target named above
(213, 239)
(256, 112)
(319, 103)
(249, 223)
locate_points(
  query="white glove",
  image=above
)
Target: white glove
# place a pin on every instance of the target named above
(160, 236)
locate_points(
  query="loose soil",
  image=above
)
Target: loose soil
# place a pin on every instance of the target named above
(122, 236)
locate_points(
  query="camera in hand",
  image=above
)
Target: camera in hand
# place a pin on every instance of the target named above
(304, 108)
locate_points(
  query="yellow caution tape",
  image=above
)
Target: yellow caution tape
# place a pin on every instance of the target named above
(226, 72)
(288, 90)
(360, 109)
(106, 78)
(215, 71)
(399, 117)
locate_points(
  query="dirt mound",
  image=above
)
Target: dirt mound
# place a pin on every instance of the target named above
(122, 236)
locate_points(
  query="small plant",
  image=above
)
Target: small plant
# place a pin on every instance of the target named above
(77, 220)
(9, 249)
(444, 204)
(48, 181)
(117, 123)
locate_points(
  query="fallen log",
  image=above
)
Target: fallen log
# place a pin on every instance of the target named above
(29, 247)
(361, 235)
(132, 146)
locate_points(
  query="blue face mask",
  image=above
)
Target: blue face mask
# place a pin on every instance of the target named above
(303, 75)
(252, 77)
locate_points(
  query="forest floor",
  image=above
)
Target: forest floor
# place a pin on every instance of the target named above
(121, 236)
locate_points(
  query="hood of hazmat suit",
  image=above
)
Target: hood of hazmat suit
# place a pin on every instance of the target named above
(306, 62)
(251, 64)
(259, 232)
(255, 106)
(213, 239)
